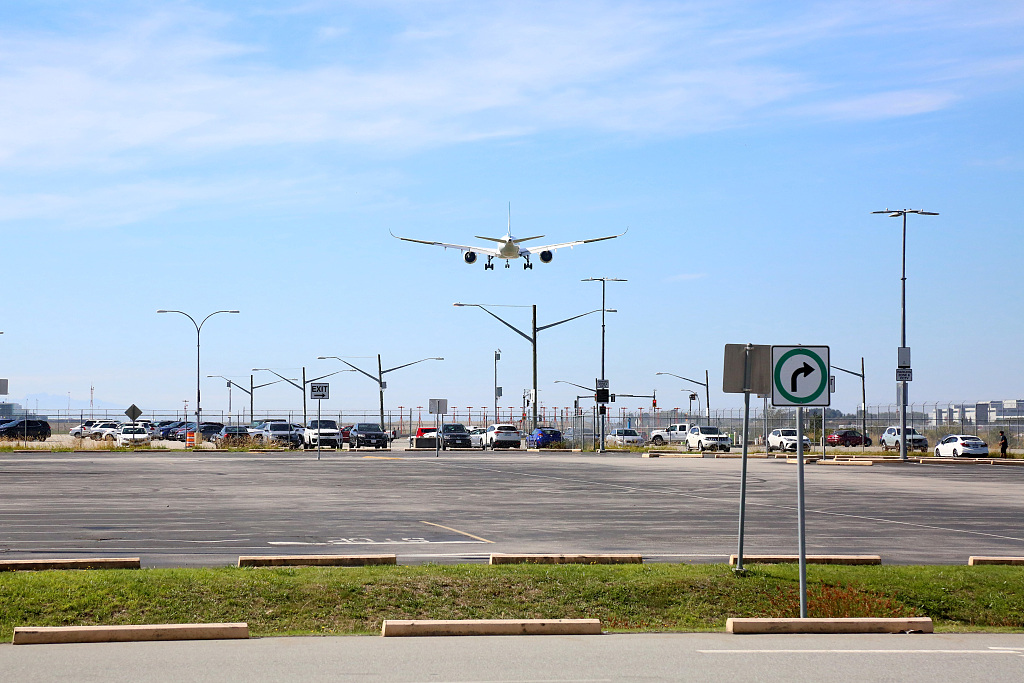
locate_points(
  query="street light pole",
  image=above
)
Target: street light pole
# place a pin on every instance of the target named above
(199, 329)
(705, 383)
(497, 357)
(893, 213)
(604, 281)
(863, 402)
(532, 338)
(301, 388)
(379, 379)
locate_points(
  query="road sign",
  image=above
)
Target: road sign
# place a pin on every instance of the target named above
(601, 384)
(904, 375)
(321, 390)
(3, 387)
(800, 376)
(760, 369)
(438, 406)
(133, 412)
(832, 384)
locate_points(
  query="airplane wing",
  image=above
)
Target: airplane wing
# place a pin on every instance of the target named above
(552, 247)
(462, 247)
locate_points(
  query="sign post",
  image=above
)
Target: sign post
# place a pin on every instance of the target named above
(319, 391)
(438, 407)
(800, 378)
(748, 364)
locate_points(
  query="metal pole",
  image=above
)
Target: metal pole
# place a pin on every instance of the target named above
(198, 416)
(903, 343)
(603, 416)
(864, 407)
(743, 466)
(707, 395)
(535, 396)
(801, 538)
(304, 420)
(380, 385)
(252, 390)
(497, 357)
(319, 427)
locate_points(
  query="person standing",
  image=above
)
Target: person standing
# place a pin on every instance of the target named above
(1002, 444)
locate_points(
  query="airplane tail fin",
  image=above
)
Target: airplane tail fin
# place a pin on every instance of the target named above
(523, 239)
(490, 239)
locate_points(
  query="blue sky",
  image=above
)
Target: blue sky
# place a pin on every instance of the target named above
(202, 156)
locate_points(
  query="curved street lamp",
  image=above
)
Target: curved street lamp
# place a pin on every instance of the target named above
(199, 329)
(707, 394)
(379, 379)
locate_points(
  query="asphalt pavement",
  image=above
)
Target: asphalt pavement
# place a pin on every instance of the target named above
(711, 657)
(206, 509)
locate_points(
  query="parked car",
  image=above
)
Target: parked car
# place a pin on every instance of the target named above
(104, 431)
(956, 445)
(891, 439)
(132, 435)
(785, 440)
(33, 430)
(367, 434)
(623, 437)
(278, 433)
(164, 431)
(542, 437)
(455, 435)
(478, 437)
(503, 436)
(847, 437)
(209, 430)
(180, 433)
(81, 431)
(231, 436)
(423, 437)
(707, 438)
(344, 431)
(322, 433)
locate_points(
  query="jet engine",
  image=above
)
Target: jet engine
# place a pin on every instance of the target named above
(469, 257)
(546, 256)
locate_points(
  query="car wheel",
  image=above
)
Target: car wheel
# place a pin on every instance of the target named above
(657, 441)
(937, 454)
(700, 446)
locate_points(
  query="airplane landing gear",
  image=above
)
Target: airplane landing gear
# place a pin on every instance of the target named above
(489, 265)
(506, 264)
(527, 265)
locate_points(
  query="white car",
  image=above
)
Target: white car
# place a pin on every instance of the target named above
(956, 445)
(707, 438)
(104, 431)
(132, 435)
(322, 433)
(478, 437)
(503, 436)
(623, 437)
(785, 440)
(891, 439)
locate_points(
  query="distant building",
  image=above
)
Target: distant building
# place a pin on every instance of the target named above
(980, 413)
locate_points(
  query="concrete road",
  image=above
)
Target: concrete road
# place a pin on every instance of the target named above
(189, 509)
(554, 659)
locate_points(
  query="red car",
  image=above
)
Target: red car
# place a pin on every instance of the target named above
(847, 437)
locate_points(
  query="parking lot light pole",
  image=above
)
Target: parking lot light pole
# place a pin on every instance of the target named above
(604, 281)
(252, 388)
(894, 213)
(301, 387)
(379, 379)
(199, 329)
(532, 338)
(705, 383)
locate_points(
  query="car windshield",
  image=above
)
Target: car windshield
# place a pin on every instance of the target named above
(627, 432)
(910, 431)
(235, 430)
(971, 438)
(279, 427)
(453, 429)
(505, 428)
(323, 424)
(788, 432)
(367, 427)
(133, 430)
(549, 432)
(709, 430)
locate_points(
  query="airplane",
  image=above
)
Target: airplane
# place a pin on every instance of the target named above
(510, 247)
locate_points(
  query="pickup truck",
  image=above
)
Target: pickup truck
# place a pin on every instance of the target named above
(674, 433)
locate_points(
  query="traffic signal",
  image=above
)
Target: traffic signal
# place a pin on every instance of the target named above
(602, 396)
(600, 409)
(654, 403)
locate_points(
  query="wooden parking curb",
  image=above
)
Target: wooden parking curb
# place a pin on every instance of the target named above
(491, 627)
(316, 560)
(83, 563)
(39, 635)
(839, 625)
(847, 463)
(811, 559)
(975, 560)
(578, 558)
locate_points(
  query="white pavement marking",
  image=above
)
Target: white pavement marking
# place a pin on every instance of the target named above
(992, 651)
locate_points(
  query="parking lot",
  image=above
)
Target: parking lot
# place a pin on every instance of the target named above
(188, 509)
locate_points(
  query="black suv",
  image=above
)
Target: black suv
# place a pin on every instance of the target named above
(25, 429)
(367, 434)
(455, 435)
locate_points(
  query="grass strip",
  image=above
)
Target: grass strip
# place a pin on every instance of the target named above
(653, 597)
